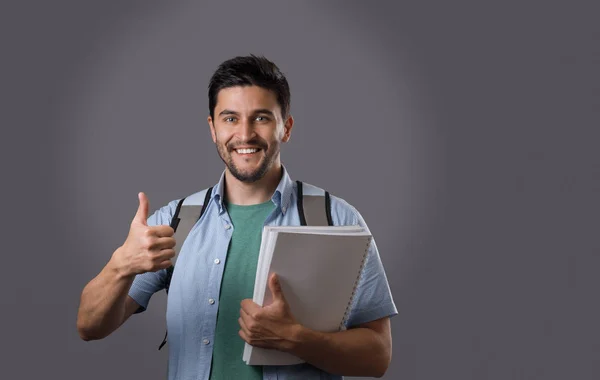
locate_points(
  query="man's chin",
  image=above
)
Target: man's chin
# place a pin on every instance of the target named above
(247, 176)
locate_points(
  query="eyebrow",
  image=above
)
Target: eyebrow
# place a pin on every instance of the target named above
(227, 112)
(260, 110)
(264, 110)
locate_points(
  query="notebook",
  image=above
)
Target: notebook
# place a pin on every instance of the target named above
(318, 268)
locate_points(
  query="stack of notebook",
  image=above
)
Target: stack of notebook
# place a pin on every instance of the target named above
(319, 269)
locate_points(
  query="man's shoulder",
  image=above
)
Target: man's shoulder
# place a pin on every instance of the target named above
(197, 198)
(342, 212)
(310, 189)
(164, 214)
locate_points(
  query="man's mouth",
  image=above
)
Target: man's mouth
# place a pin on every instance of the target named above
(246, 151)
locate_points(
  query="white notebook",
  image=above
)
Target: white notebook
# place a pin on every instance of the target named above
(318, 268)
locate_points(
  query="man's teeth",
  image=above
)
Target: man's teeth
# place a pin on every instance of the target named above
(246, 151)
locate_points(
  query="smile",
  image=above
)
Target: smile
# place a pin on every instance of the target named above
(246, 150)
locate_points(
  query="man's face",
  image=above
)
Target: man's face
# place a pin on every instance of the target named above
(248, 130)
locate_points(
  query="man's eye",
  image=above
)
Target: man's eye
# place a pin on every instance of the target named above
(261, 118)
(230, 119)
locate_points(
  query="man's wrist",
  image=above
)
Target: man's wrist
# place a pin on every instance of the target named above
(302, 338)
(116, 269)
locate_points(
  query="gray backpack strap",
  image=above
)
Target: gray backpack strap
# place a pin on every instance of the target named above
(189, 210)
(185, 219)
(314, 206)
(187, 213)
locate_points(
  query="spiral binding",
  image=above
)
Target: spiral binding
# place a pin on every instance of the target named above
(362, 264)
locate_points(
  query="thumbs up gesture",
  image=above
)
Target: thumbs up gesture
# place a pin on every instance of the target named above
(147, 248)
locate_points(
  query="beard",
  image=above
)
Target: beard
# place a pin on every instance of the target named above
(248, 176)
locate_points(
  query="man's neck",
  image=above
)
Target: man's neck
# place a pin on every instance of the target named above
(243, 193)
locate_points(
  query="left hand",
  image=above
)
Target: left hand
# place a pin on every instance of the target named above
(271, 326)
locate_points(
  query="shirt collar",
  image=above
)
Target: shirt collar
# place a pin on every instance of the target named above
(281, 197)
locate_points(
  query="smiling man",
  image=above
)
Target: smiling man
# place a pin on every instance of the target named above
(210, 313)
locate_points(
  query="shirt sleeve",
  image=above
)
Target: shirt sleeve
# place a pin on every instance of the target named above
(373, 298)
(146, 284)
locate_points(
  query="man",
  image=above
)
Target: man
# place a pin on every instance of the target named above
(210, 312)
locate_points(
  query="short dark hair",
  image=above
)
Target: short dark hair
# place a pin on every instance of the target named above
(249, 71)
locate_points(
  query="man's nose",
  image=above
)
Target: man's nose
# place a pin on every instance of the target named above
(246, 130)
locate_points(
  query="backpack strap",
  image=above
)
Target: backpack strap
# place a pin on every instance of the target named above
(311, 203)
(187, 213)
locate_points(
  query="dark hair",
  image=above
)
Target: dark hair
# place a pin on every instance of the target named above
(249, 71)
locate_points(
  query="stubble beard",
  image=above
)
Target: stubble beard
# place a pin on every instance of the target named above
(266, 162)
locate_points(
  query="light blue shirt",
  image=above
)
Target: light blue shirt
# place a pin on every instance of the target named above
(193, 299)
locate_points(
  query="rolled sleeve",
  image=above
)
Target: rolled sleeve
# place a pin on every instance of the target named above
(145, 285)
(373, 298)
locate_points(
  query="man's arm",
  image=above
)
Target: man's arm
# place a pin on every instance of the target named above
(364, 350)
(105, 304)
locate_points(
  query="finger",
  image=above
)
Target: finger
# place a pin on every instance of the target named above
(275, 288)
(162, 243)
(243, 326)
(162, 255)
(254, 342)
(247, 318)
(162, 231)
(163, 265)
(249, 306)
(141, 216)
(244, 336)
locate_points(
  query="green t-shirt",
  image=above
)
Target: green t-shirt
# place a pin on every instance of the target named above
(236, 285)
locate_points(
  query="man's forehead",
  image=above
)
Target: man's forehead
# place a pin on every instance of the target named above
(245, 98)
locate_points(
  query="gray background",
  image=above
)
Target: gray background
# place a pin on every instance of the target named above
(465, 133)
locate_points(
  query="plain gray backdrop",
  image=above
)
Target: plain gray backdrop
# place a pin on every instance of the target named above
(465, 132)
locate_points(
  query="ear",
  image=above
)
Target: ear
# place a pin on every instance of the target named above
(287, 129)
(212, 129)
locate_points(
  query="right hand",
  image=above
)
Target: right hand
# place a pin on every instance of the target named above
(147, 248)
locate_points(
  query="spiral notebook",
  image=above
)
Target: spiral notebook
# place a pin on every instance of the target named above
(319, 269)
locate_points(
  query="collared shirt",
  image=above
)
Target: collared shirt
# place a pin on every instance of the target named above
(192, 303)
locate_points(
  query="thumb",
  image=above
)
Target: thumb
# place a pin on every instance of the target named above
(141, 215)
(275, 288)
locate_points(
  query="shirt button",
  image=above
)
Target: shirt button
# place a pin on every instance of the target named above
(283, 208)
(227, 226)
(211, 301)
(206, 341)
(217, 261)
